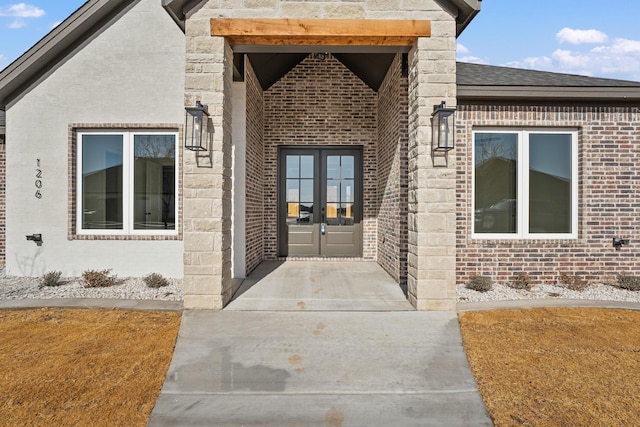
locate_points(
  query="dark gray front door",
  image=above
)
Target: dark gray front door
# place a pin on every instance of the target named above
(320, 202)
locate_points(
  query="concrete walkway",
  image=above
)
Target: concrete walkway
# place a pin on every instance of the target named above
(334, 368)
(319, 344)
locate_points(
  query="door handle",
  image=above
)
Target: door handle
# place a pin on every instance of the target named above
(323, 228)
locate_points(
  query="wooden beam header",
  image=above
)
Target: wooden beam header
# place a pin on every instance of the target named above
(329, 32)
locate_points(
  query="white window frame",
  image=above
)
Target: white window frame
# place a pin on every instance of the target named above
(128, 192)
(522, 185)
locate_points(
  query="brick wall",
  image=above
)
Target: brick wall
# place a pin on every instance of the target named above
(320, 102)
(3, 187)
(254, 171)
(609, 196)
(392, 173)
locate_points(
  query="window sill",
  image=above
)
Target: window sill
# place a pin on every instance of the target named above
(156, 237)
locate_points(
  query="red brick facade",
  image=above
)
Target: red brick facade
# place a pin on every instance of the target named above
(608, 194)
(254, 222)
(392, 172)
(320, 102)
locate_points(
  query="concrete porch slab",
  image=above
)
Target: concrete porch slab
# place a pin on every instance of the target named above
(319, 286)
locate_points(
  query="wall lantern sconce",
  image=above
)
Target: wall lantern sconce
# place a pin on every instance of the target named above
(196, 127)
(442, 128)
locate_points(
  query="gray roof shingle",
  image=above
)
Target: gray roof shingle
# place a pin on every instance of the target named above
(3, 119)
(490, 75)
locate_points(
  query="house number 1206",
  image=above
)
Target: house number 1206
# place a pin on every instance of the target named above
(38, 180)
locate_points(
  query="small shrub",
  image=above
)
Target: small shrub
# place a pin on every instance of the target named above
(480, 283)
(630, 283)
(98, 279)
(155, 280)
(51, 278)
(573, 283)
(522, 281)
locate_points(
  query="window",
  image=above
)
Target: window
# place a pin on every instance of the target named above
(525, 184)
(127, 183)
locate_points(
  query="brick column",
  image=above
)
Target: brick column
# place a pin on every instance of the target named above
(207, 175)
(432, 227)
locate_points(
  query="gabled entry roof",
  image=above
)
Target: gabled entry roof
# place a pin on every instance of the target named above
(463, 10)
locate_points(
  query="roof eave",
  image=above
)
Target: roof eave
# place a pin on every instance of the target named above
(548, 93)
(60, 41)
(463, 10)
(178, 9)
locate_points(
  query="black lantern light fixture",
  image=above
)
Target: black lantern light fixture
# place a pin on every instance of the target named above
(442, 128)
(196, 127)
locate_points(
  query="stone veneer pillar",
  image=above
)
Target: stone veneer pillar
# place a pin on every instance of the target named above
(208, 175)
(432, 207)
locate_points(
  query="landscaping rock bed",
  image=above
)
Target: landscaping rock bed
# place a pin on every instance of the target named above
(12, 287)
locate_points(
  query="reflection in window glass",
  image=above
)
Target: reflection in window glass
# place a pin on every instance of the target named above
(128, 182)
(333, 191)
(348, 171)
(550, 183)
(299, 192)
(154, 182)
(347, 191)
(495, 182)
(306, 190)
(340, 189)
(102, 193)
(333, 167)
(306, 166)
(293, 190)
(293, 166)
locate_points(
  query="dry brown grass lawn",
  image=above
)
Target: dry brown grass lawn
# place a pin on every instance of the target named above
(83, 367)
(556, 367)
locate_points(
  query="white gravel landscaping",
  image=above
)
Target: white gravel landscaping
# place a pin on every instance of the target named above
(600, 292)
(12, 288)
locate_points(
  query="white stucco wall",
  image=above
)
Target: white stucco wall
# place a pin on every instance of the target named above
(132, 72)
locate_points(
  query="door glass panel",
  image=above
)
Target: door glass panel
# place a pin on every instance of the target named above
(347, 191)
(306, 190)
(333, 167)
(346, 214)
(333, 191)
(306, 213)
(348, 167)
(300, 189)
(306, 167)
(293, 199)
(293, 190)
(333, 217)
(293, 166)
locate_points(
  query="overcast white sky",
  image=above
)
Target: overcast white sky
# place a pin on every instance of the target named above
(589, 37)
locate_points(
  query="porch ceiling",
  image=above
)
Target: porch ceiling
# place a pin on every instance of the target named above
(371, 68)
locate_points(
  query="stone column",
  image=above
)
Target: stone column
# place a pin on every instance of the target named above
(207, 175)
(432, 184)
